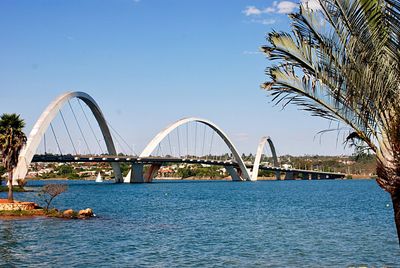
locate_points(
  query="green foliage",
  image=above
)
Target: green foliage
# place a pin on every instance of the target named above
(73, 176)
(65, 170)
(185, 173)
(211, 172)
(266, 173)
(199, 171)
(363, 157)
(16, 189)
(342, 62)
(249, 157)
(12, 139)
(125, 167)
(34, 212)
(52, 212)
(46, 175)
(2, 170)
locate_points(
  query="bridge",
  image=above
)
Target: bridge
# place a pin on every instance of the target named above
(290, 172)
(188, 140)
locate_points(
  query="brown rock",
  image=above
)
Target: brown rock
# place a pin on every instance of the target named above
(16, 205)
(68, 213)
(27, 205)
(86, 213)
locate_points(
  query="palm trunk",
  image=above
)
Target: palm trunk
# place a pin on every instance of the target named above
(396, 208)
(10, 187)
(387, 169)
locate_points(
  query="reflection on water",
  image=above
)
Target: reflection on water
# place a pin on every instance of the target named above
(175, 224)
(8, 241)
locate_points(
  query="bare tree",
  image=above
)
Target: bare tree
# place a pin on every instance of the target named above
(50, 191)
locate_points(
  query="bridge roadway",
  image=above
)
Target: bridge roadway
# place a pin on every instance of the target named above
(290, 173)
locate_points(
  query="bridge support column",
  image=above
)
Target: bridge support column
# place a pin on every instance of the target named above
(136, 174)
(117, 173)
(278, 175)
(306, 176)
(289, 175)
(233, 173)
(151, 173)
(327, 176)
(314, 176)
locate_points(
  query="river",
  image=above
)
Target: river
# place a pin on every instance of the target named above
(209, 224)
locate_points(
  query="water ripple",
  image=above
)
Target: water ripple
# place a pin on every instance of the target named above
(210, 224)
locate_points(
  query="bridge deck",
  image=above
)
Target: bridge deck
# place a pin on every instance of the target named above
(160, 160)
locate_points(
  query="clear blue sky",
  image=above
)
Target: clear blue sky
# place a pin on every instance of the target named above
(150, 62)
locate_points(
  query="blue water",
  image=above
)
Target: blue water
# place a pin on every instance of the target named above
(210, 224)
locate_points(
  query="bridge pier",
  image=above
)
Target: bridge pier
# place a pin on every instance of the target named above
(289, 175)
(151, 173)
(314, 176)
(117, 173)
(235, 175)
(327, 177)
(306, 176)
(136, 174)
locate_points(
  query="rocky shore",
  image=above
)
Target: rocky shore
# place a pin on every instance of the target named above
(31, 209)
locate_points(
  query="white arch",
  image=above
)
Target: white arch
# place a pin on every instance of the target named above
(260, 150)
(162, 134)
(43, 123)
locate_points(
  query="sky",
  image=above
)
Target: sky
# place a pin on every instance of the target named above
(148, 63)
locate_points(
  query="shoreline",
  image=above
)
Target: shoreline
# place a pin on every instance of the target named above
(353, 177)
(27, 210)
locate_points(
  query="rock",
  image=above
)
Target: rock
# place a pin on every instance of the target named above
(16, 205)
(85, 213)
(68, 213)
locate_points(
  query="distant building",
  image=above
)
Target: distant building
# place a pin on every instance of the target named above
(347, 162)
(166, 171)
(45, 171)
(287, 166)
(32, 174)
(87, 173)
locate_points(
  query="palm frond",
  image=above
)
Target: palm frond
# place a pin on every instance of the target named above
(12, 139)
(342, 63)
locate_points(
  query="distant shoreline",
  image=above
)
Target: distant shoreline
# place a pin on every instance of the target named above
(353, 177)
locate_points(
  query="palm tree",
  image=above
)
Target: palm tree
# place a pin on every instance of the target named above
(342, 62)
(12, 139)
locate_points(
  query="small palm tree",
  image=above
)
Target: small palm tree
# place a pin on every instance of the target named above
(12, 139)
(342, 62)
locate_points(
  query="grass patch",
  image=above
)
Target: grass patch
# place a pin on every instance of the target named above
(15, 189)
(51, 213)
(34, 212)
